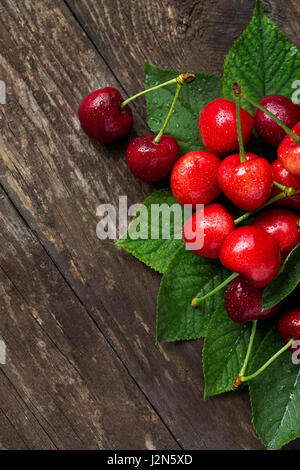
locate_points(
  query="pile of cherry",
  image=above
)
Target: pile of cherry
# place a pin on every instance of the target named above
(254, 253)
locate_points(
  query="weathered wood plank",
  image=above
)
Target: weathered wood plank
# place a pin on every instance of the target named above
(62, 386)
(192, 35)
(56, 178)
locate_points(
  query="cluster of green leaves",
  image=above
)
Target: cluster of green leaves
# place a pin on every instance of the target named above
(264, 62)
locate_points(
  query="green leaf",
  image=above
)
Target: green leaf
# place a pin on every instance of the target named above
(225, 349)
(186, 275)
(193, 97)
(275, 395)
(286, 281)
(262, 60)
(155, 252)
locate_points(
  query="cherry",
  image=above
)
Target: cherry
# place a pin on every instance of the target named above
(289, 327)
(194, 178)
(213, 228)
(218, 129)
(101, 116)
(284, 109)
(282, 176)
(248, 184)
(152, 158)
(289, 152)
(252, 253)
(243, 302)
(283, 226)
(152, 161)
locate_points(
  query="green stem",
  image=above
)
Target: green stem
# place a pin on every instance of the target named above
(262, 368)
(239, 127)
(159, 135)
(181, 79)
(270, 201)
(279, 186)
(169, 82)
(238, 380)
(292, 134)
(197, 300)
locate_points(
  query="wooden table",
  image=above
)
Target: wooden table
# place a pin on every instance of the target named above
(77, 313)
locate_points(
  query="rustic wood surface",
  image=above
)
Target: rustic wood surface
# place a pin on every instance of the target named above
(77, 313)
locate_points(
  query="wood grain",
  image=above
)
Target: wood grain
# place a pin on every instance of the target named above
(63, 385)
(84, 298)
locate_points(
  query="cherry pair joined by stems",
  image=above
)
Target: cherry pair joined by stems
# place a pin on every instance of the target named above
(246, 179)
(105, 116)
(152, 158)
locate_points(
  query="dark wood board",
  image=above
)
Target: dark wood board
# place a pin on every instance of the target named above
(78, 314)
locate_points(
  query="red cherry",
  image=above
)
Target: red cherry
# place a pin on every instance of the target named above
(101, 117)
(283, 226)
(149, 161)
(194, 178)
(284, 109)
(243, 302)
(289, 327)
(289, 153)
(214, 226)
(248, 184)
(218, 129)
(253, 253)
(282, 176)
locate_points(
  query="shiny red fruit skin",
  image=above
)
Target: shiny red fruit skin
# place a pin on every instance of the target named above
(249, 184)
(289, 327)
(289, 153)
(243, 302)
(283, 108)
(217, 224)
(194, 178)
(283, 226)
(218, 129)
(101, 118)
(149, 161)
(252, 253)
(282, 176)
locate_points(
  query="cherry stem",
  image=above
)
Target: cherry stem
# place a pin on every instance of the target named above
(159, 135)
(189, 77)
(180, 81)
(270, 201)
(279, 186)
(242, 94)
(238, 379)
(239, 124)
(262, 368)
(197, 300)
